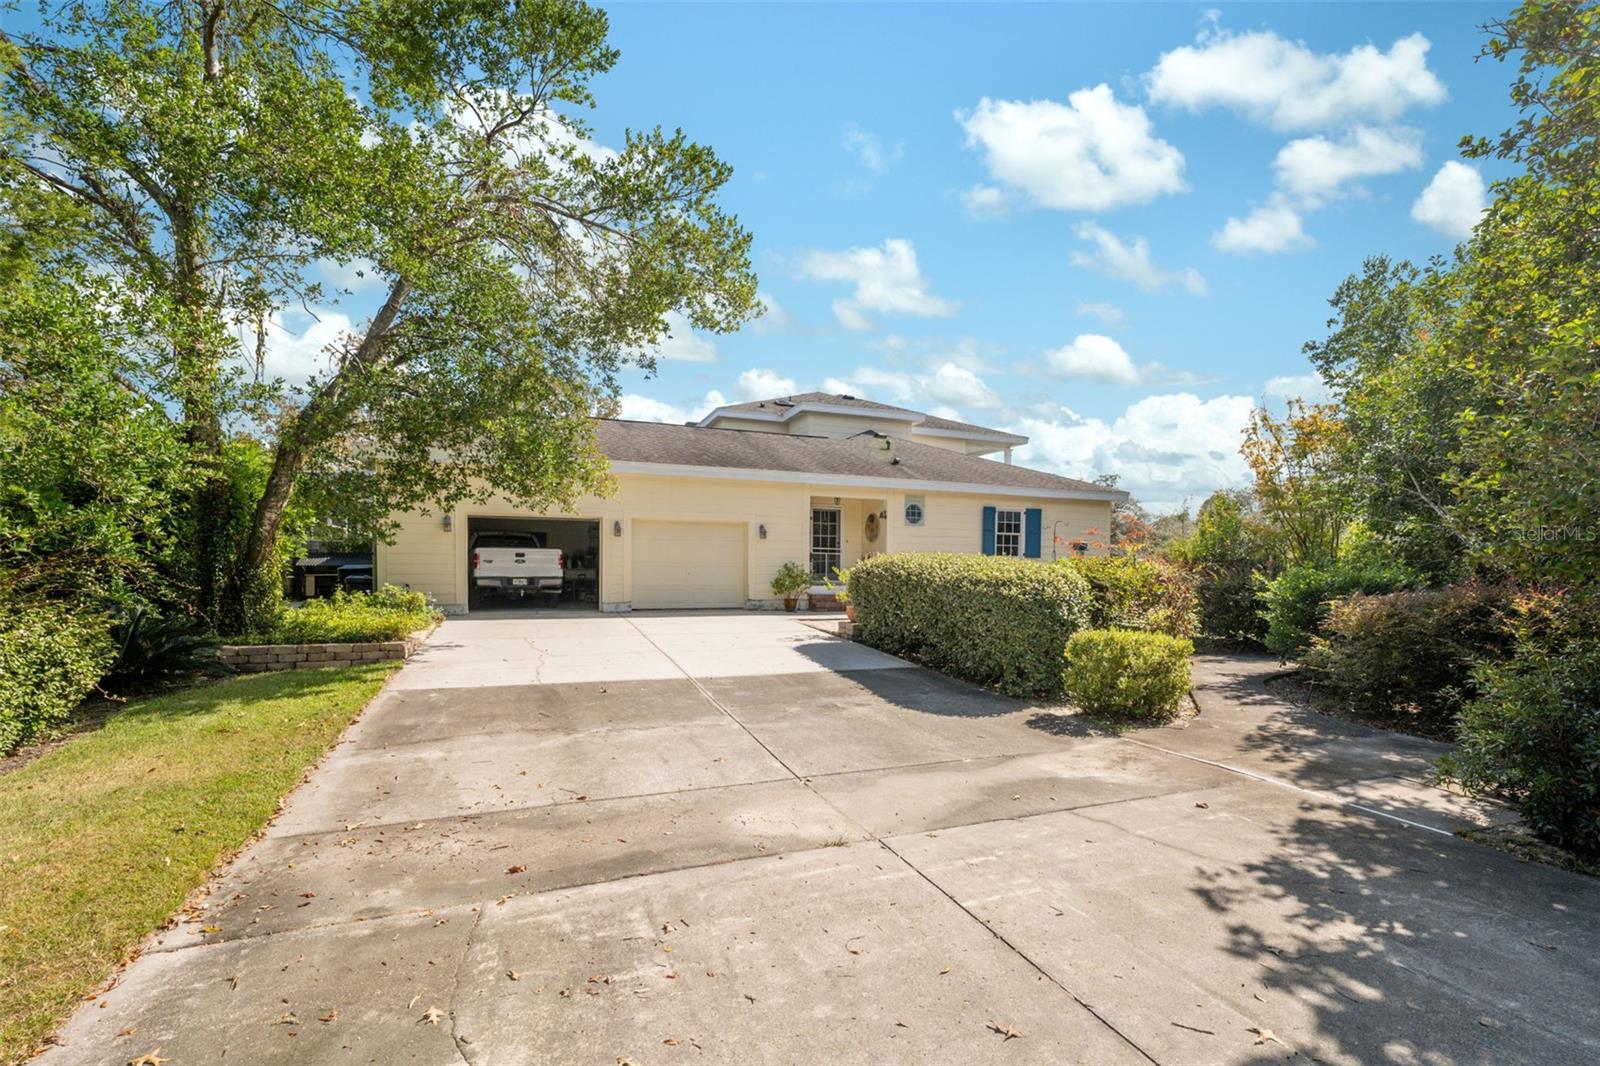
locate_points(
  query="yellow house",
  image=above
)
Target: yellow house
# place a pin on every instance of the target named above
(704, 514)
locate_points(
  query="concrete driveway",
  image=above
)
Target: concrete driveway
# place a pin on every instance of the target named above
(731, 838)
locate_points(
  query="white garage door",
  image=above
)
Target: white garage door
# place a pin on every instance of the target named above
(688, 564)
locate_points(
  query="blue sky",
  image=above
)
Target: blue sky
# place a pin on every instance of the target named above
(950, 213)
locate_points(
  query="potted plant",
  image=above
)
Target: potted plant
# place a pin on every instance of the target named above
(841, 591)
(791, 580)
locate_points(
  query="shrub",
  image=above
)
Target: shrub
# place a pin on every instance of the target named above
(1296, 601)
(390, 613)
(790, 580)
(990, 619)
(1129, 675)
(150, 648)
(1532, 736)
(50, 657)
(1132, 593)
(1230, 603)
(1410, 651)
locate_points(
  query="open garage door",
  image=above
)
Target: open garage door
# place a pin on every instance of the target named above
(688, 564)
(578, 541)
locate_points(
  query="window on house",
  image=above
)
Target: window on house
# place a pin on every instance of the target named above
(825, 541)
(1008, 532)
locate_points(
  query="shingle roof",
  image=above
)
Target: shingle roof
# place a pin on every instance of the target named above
(865, 455)
(832, 399)
(781, 405)
(935, 422)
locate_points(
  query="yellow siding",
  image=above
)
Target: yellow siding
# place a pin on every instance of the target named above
(425, 556)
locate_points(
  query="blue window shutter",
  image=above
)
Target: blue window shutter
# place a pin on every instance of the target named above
(1033, 526)
(988, 531)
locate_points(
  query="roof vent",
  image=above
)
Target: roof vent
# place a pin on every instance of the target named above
(846, 396)
(895, 461)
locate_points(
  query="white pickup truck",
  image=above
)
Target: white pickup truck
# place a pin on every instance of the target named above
(516, 564)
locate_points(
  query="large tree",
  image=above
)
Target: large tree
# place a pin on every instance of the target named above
(217, 160)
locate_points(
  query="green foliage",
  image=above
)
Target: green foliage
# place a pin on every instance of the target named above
(208, 169)
(50, 658)
(152, 649)
(1533, 737)
(1296, 602)
(841, 588)
(1230, 604)
(790, 580)
(1127, 675)
(1410, 653)
(1133, 593)
(90, 468)
(990, 619)
(390, 613)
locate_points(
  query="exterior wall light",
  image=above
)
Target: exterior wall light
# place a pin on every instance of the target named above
(762, 530)
(449, 522)
(616, 527)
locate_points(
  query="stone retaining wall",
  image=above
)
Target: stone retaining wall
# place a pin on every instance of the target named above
(260, 658)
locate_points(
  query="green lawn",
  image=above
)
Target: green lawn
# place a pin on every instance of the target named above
(103, 838)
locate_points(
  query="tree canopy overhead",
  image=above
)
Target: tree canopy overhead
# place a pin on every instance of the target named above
(210, 158)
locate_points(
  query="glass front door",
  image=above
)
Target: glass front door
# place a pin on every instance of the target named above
(826, 542)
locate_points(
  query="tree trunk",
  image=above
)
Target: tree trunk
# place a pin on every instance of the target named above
(317, 423)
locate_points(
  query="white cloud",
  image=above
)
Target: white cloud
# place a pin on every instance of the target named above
(870, 150)
(1274, 227)
(358, 275)
(647, 409)
(1315, 169)
(1131, 261)
(984, 201)
(1169, 448)
(296, 354)
(1093, 357)
(1288, 86)
(1307, 387)
(1089, 154)
(760, 384)
(773, 317)
(946, 386)
(682, 344)
(886, 279)
(1453, 201)
(1108, 313)
(1098, 358)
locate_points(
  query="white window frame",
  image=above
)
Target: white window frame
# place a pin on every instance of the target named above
(1008, 540)
(837, 551)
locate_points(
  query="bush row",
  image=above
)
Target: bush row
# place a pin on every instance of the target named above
(1144, 594)
(993, 620)
(390, 613)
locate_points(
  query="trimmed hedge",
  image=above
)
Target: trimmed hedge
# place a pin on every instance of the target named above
(50, 658)
(1121, 673)
(391, 613)
(1297, 600)
(1133, 593)
(990, 619)
(1410, 652)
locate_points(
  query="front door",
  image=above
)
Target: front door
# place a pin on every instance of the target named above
(826, 542)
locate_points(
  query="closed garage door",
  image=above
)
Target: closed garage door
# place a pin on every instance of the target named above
(688, 564)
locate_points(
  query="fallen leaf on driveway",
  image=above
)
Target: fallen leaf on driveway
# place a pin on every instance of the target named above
(1006, 1032)
(519, 868)
(670, 1042)
(944, 971)
(514, 975)
(1203, 806)
(129, 1031)
(149, 1058)
(287, 1018)
(431, 1016)
(331, 1016)
(1264, 1036)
